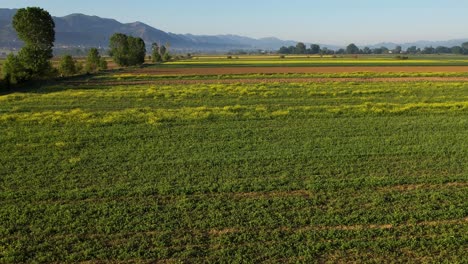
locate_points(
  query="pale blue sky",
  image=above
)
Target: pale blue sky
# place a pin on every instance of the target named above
(323, 21)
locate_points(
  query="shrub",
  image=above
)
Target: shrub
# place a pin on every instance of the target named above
(102, 64)
(167, 57)
(67, 66)
(13, 71)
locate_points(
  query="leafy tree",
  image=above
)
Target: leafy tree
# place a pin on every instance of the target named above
(102, 64)
(93, 61)
(412, 50)
(377, 51)
(67, 66)
(127, 50)
(136, 51)
(457, 50)
(341, 51)
(443, 50)
(167, 56)
(119, 49)
(14, 71)
(300, 48)
(428, 50)
(465, 47)
(352, 49)
(35, 27)
(79, 66)
(283, 50)
(155, 56)
(162, 50)
(367, 50)
(314, 49)
(397, 50)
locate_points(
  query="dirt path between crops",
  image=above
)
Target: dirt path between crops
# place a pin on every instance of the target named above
(271, 80)
(266, 70)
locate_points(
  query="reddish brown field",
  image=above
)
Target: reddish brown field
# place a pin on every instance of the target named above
(272, 80)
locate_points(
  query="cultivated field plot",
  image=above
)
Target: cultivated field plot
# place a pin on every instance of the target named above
(107, 169)
(325, 61)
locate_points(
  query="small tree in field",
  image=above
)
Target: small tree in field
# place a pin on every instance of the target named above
(137, 51)
(155, 56)
(352, 49)
(102, 64)
(167, 57)
(14, 71)
(162, 51)
(35, 27)
(93, 60)
(127, 50)
(67, 66)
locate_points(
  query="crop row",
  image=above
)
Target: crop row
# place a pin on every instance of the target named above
(298, 172)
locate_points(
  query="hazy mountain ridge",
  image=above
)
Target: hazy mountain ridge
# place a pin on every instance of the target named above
(79, 30)
(82, 30)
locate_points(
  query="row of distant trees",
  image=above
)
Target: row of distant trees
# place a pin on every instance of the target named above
(36, 28)
(301, 48)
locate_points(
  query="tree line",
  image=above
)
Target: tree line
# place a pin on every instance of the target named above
(301, 48)
(36, 28)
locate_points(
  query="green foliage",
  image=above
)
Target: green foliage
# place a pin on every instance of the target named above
(300, 48)
(67, 66)
(278, 172)
(79, 66)
(36, 60)
(352, 49)
(155, 56)
(162, 51)
(13, 70)
(127, 50)
(119, 49)
(35, 27)
(167, 56)
(102, 64)
(314, 49)
(93, 60)
(137, 51)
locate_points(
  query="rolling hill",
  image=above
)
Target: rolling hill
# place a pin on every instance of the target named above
(78, 30)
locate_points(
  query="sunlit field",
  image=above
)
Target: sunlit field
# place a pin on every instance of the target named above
(142, 166)
(314, 60)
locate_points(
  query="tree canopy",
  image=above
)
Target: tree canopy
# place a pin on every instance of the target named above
(352, 49)
(35, 27)
(127, 50)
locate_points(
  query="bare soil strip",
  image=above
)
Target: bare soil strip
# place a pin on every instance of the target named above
(266, 70)
(271, 80)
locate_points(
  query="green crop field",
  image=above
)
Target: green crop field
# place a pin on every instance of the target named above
(276, 172)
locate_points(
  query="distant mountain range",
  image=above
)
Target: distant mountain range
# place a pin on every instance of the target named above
(78, 30)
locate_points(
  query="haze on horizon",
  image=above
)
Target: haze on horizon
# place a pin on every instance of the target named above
(336, 22)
